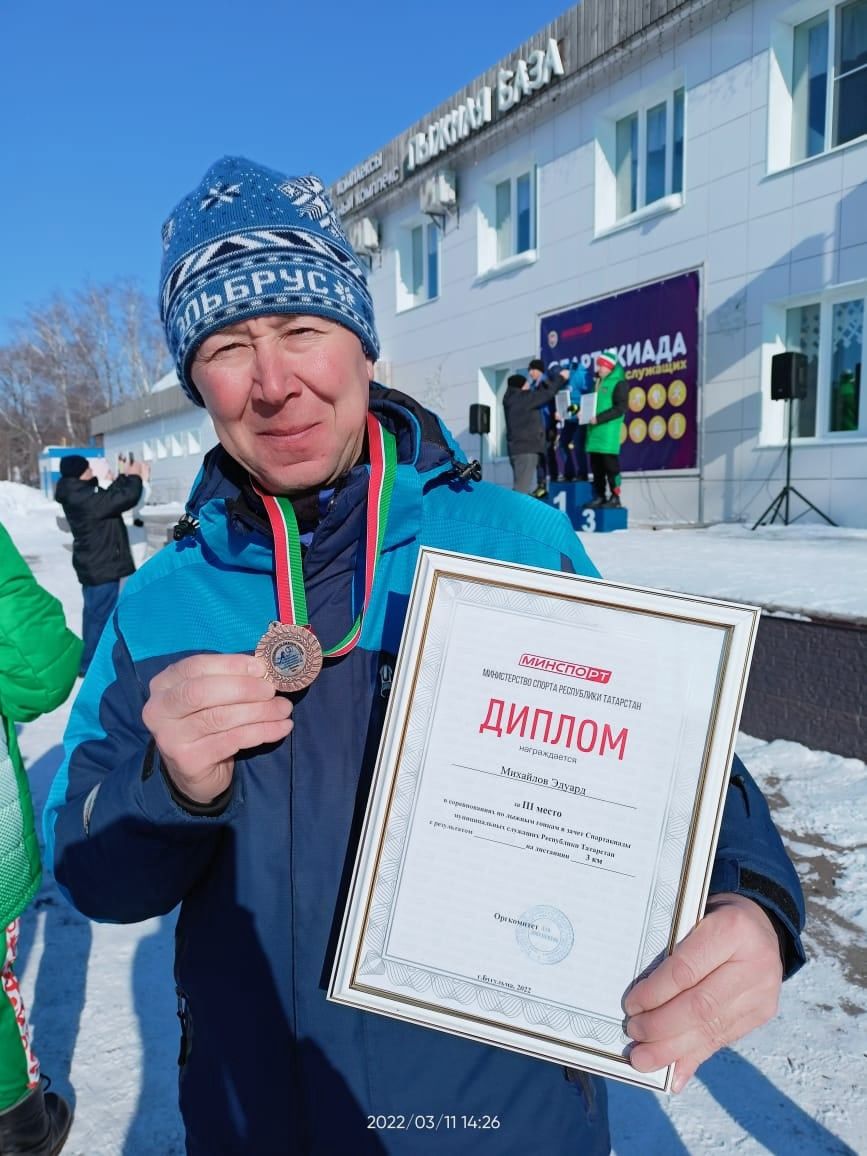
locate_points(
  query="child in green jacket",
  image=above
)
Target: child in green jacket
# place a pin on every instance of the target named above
(39, 660)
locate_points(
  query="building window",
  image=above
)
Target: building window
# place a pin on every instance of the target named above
(809, 87)
(418, 261)
(514, 216)
(802, 336)
(830, 333)
(847, 347)
(819, 82)
(507, 222)
(640, 154)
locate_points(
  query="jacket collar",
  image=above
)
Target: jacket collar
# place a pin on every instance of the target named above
(231, 518)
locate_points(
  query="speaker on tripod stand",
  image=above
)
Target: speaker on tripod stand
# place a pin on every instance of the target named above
(788, 383)
(480, 423)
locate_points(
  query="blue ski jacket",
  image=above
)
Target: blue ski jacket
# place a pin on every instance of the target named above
(268, 1066)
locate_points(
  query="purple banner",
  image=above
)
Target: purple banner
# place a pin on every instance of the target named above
(655, 329)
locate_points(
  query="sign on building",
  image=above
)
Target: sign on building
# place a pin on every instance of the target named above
(655, 331)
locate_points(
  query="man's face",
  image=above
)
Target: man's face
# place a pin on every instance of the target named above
(602, 370)
(288, 397)
(534, 374)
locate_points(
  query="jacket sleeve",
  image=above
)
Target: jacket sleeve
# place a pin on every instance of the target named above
(123, 493)
(543, 395)
(751, 861)
(619, 406)
(123, 849)
(39, 655)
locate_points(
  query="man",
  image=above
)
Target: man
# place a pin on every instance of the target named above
(603, 437)
(210, 790)
(525, 433)
(536, 376)
(39, 660)
(100, 547)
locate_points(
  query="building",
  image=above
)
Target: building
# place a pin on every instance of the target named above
(164, 429)
(49, 464)
(686, 182)
(683, 181)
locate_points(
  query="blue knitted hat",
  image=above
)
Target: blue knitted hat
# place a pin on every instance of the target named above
(248, 242)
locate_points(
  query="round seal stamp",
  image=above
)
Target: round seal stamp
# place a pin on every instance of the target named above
(292, 654)
(550, 937)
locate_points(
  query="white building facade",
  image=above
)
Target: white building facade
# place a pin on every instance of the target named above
(163, 429)
(690, 188)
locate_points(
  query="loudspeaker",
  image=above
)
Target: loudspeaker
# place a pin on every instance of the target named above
(480, 419)
(788, 376)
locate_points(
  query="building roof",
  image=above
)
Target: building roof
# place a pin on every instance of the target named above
(164, 399)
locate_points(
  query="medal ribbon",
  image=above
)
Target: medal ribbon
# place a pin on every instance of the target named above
(291, 599)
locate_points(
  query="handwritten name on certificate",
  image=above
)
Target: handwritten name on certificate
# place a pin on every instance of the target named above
(545, 807)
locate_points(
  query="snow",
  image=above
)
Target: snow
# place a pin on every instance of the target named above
(799, 569)
(102, 1000)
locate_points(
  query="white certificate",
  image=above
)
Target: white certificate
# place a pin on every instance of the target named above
(587, 408)
(545, 806)
(562, 399)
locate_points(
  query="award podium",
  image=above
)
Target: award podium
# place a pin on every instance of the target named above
(572, 499)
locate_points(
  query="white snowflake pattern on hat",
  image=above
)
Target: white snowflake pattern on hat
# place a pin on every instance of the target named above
(309, 197)
(220, 193)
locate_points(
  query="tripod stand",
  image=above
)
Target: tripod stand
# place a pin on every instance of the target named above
(782, 498)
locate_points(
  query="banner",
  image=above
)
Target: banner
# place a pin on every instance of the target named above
(655, 330)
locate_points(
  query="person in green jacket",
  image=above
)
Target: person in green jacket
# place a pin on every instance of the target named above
(39, 658)
(603, 436)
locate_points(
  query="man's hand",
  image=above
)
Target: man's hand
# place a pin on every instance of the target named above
(205, 709)
(136, 469)
(719, 983)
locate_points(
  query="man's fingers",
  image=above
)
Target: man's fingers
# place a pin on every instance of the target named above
(201, 665)
(734, 929)
(717, 1000)
(205, 693)
(214, 720)
(179, 734)
(222, 747)
(692, 959)
(692, 1048)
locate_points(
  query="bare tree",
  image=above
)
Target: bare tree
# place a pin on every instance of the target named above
(74, 357)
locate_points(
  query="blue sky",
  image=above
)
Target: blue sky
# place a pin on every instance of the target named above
(113, 110)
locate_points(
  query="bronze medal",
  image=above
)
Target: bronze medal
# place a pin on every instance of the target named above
(289, 649)
(292, 654)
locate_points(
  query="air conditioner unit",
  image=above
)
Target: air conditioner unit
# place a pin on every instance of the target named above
(364, 236)
(438, 193)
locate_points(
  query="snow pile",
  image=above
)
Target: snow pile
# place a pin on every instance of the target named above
(16, 499)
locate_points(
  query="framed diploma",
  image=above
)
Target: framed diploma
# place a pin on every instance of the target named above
(587, 408)
(545, 806)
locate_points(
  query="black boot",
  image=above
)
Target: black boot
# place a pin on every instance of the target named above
(36, 1126)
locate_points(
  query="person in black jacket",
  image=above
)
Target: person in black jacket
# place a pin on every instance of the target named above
(100, 547)
(525, 431)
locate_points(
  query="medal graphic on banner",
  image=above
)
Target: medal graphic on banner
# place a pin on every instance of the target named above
(289, 648)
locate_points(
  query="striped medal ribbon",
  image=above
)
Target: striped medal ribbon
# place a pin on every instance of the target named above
(289, 648)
